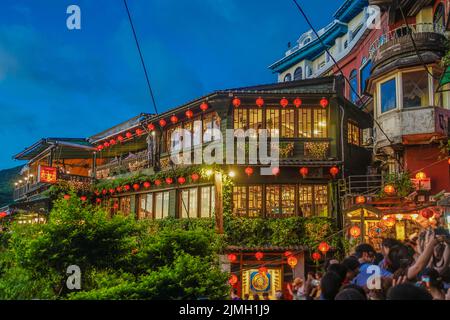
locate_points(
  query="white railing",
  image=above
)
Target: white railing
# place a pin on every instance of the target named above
(404, 31)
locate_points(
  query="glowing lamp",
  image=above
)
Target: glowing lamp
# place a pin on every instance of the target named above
(292, 261)
(427, 213)
(120, 138)
(151, 126)
(139, 131)
(232, 257)
(248, 171)
(324, 247)
(316, 256)
(262, 270)
(129, 135)
(112, 142)
(389, 189)
(116, 205)
(100, 148)
(174, 119)
(288, 253)
(324, 102)
(98, 200)
(355, 231)
(136, 186)
(334, 171)
(162, 123)
(189, 114)
(66, 197)
(181, 180)
(284, 102)
(157, 182)
(204, 106)
(236, 102)
(83, 198)
(389, 222)
(169, 180)
(195, 177)
(360, 199)
(259, 255)
(233, 280)
(304, 172)
(421, 175)
(104, 191)
(106, 144)
(147, 184)
(298, 102)
(127, 187)
(112, 191)
(119, 189)
(260, 102)
(275, 171)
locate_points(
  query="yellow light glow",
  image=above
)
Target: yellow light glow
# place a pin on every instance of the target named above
(231, 174)
(209, 172)
(414, 216)
(399, 217)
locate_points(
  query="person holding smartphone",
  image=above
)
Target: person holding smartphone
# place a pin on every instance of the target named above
(432, 282)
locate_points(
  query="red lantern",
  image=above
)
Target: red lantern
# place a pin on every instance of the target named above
(116, 205)
(232, 257)
(157, 182)
(236, 102)
(292, 261)
(66, 197)
(323, 247)
(169, 180)
(355, 231)
(111, 191)
(119, 189)
(298, 102)
(3, 214)
(249, 171)
(284, 102)
(262, 270)
(162, 123)
(360, 199)
(204, 106)
(106, 144)
(83, 198)
(98, 200)
(181, 180)
(304, 172)
(174, 119)
(151, 126)
(120, 138)
(100, 148)
(324, 102)
(260, 102)
(389, 189)
(316, 256)
(288, 253)
(139, 131)
(233, 280)
(129, 135)
(259, 255)
(147, 184)
(427, 213)
(449, 161)
(136, 186)
(195, 177)
(334, 171)
(96, 192)
(275, 171)
(104, 192)
(189, 114)
(112, 142)
(127, 187)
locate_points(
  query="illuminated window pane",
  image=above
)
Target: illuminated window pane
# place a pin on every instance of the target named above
(321, 200)
(287, 123)
(255, 119)
(306, 200)
(273, 121)
(240, 201)
(320, 123)
(145, 206)
(254, 201)
(161, 205)
(240, 119)
(304, 123)
(288, 199)
(273, 200)
(189, 203)
(207, 202)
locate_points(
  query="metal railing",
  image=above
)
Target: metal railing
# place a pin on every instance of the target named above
(404, 31)
(365, 185)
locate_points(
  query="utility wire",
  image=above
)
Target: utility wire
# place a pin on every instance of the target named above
(340, 69)
(142, 58)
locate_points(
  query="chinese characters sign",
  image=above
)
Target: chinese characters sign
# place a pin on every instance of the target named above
(47, 174)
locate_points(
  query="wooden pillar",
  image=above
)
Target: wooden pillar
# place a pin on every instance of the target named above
(218, 208)
(94, 165)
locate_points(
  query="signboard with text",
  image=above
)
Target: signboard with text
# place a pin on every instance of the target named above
(47, 174)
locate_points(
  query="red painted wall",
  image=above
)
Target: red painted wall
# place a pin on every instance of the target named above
(426, 158)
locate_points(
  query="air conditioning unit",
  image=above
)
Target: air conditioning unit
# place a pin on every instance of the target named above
(367, 137)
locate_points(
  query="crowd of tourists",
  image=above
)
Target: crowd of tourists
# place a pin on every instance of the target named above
(416, 269)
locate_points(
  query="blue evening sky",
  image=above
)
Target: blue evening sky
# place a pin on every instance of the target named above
(56, 82)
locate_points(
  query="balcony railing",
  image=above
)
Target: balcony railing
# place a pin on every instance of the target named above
(24, 190)
(133, 163)
(404, 31)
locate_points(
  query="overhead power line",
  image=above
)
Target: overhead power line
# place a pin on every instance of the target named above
(142, 58)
